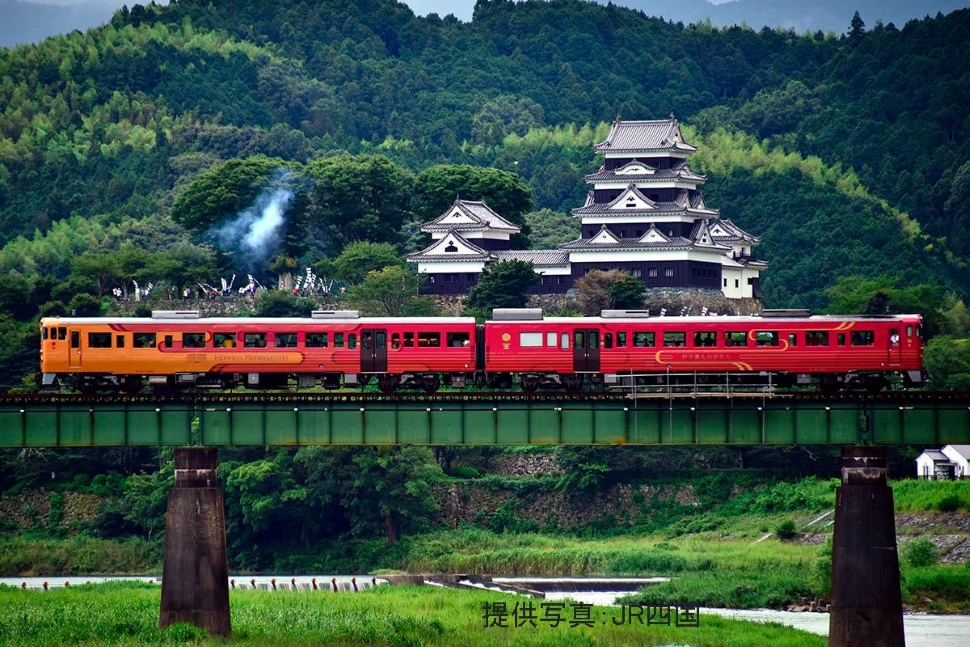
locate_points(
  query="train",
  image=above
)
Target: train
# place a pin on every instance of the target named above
(515, 348)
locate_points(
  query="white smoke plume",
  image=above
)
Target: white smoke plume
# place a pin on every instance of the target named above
(254, 234)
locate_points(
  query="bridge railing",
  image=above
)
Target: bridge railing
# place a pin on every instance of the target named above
(692, 385)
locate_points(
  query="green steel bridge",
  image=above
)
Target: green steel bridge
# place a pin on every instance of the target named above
(606, 418)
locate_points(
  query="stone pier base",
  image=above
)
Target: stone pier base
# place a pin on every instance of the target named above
(867, 608)
(195, 575)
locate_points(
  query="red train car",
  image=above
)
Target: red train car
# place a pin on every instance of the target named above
(625, 346)
(174, 349)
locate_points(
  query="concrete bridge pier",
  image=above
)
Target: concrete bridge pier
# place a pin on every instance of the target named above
(866, 602)
(195, 574)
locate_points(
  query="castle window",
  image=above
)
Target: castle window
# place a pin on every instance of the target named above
(652, 272)
(451, 247)
(668, 272)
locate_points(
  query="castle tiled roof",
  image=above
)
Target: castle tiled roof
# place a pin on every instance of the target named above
(661, 134)
(451, 247)
(467, 215)
(542, 257)
(630, 173)
(686, 202)
(725, 231)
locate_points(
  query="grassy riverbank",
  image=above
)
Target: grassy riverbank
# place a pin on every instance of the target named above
(127, 614)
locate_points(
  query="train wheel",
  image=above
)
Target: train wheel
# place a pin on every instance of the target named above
(530, 383)
(572, 382)
(388, 383)
(431, 383)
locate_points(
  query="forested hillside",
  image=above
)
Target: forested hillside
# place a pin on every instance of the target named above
(848, 155)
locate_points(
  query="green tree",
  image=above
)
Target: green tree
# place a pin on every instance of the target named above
(364, 197)
(436, 188)
(502, 285)
(361, 257)
(627, 293)
(279, 303)
(503, 115)
(596, 291)
(223, 192)
(387, 292)
(389, 488)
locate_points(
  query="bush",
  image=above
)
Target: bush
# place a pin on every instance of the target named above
(786, 530)
(921, 552)
(949, 503)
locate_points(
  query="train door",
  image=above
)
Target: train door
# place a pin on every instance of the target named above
(586, 350)
(895, 347)
(373, 350)
(75, 336)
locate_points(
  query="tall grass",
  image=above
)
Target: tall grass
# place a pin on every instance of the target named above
(388, 616)
(912, 495)
(20, 556)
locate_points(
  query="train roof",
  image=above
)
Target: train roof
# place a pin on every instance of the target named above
(744, 319)
(235, 321)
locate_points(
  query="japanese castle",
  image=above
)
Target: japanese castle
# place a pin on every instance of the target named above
(644, 214)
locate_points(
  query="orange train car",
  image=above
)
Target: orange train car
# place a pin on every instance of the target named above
(179, 349)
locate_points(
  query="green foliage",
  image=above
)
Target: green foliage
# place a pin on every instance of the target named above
(502, 285)
(505, 193)
(222, 192)
(920, 552)
(361, 257)
(391, 292)
(919, 495)
(279, 303)
(357, 198)
(549, 228)
(786, 530)
(947, 362)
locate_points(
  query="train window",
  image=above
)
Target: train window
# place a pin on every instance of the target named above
(644, 339)
(909, 331)
(75, 339)
(735, 339)
(841, 339)
(167, 342)
(409, 340)
(367, 340)
(352, 340)
(675, 339)
(193, 340)
(316, 339)
(564, 341)
(530, 339)
(621, 340)
(551, 339)
(765, 338)
(608, 340)
(792, 339)
(254, 340)
(592, 340)
(224, 340)
(816, 338)
(458, 339)
(396, 341)
(119, 341)
(43, 334)
(705, 339)
(286, 340)
(863, 338)
(62, 333)
(143, 340)
(429, 339)
(338, 340)
(99, 340)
